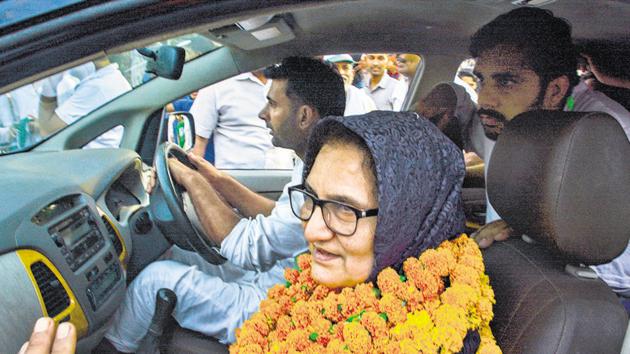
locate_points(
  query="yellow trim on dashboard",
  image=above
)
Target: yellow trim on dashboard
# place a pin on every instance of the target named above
(123, 254)
(77, 316)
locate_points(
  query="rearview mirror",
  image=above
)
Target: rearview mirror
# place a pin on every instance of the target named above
(180, 129)
(167, 61)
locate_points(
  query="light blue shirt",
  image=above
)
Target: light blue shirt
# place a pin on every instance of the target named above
(258, 243)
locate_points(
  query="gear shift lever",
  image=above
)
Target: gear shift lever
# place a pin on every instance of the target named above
(165, 301)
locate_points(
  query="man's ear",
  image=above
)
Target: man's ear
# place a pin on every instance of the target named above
(307, 116)
(556, 91)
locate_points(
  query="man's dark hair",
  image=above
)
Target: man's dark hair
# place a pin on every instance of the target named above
(312, 82)
(543, 39)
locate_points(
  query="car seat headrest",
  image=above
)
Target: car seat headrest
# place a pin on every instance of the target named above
(563, 179)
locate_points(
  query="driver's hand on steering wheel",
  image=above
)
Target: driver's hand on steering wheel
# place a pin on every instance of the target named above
(207, 170)
(181, 173)
(46, 340)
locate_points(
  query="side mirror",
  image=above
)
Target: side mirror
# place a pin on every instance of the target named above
(180, 129)
(167, 61)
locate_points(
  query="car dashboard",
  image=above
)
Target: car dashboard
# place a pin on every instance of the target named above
(66, 226)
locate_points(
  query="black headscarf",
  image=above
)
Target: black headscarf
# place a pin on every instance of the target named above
(419, 173)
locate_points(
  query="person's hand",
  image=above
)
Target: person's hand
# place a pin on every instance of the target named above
(151, 178)
(45, 340)
(603, 77)
(497, 230)
(181, 173)
(472, 159)
(207, 170)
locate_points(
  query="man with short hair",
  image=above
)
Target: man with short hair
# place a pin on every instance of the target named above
(357, 101)
(226, 115)
(407, 64)
(259, 242)
(387, 93)
(525, 60)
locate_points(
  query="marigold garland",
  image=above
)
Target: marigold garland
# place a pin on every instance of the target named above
(442, 295)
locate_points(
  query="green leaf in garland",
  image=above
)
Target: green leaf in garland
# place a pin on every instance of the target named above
(287, 284)
(293, 299)
(403, 278)
(297, 267)
(313, 336)
(339, 308)
(355, 318)
(377, 292)
(384, 316)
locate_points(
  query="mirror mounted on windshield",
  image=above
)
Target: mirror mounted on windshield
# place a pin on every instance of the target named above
(180, 129)
(167, 61)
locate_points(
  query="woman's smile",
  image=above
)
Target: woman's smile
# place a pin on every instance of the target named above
(322, 256)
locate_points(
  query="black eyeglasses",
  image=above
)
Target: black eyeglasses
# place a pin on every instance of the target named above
(340, 218)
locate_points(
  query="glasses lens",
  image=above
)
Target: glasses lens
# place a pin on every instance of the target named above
(301, 204)
(340, 218)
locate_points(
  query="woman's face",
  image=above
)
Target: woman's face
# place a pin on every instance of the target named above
(340, 174)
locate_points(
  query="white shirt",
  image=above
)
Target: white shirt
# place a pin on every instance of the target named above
(94, 91)
(616, 273)
(17, 104)
(258, 243)
(357, 102)
(229, 109)
(388, 94)
(20, 103)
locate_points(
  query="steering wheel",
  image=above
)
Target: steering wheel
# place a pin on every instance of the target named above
(168, 208)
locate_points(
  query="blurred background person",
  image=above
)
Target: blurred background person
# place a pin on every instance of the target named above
(17, 109)
(357, 101)
(386, 92)
(102, 85)
(469, 78)
(227, 113)
(407, 64)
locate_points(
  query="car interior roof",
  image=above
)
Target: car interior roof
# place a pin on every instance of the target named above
(437, 27)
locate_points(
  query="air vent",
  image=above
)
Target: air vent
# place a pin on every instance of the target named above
(112, 235)
(55, 297)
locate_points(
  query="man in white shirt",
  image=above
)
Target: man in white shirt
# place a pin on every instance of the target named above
(14, 106)
(212, 299)
(523, 70)
(227, 112)
(407, 65)
(387, 93)
(357, 101)
(96, 89)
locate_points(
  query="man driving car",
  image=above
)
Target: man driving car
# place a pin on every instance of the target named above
(259, 241)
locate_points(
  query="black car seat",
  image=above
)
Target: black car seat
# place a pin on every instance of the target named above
(562, 179)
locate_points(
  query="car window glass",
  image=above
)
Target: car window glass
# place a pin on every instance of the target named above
(228, 130)
(39, 109)
(465, 77)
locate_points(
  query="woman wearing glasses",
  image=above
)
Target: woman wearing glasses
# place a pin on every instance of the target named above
(378, 190)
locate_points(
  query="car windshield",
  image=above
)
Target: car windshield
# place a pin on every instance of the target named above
(15, 11)
(37, 110)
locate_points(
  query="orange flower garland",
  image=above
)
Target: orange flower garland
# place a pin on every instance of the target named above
(442, 295)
